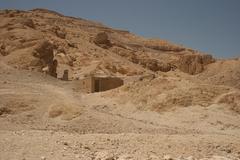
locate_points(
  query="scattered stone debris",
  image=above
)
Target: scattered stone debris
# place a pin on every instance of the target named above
(167, 157)
(5, 110)
(65, 143)
(43, 158)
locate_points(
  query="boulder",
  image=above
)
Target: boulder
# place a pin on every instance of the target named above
(59, 32)
(102, 40)
(28, 22)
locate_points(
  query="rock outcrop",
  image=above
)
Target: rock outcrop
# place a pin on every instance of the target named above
(155, 65)
(149, 63)
(59, 32)
(102, 40)
(41, 31)
(44, 51)
(28, 22)
(165, 48)
(194, 63)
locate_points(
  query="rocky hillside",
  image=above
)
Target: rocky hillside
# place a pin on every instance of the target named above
(35, 39)
(176, 103)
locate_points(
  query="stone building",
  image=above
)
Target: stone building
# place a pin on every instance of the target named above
(93, 84)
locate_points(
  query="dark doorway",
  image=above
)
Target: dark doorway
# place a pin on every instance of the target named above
(97, 85)
(65, 75)
(53, 68)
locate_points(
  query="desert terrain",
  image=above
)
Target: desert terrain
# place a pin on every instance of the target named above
(176, 103)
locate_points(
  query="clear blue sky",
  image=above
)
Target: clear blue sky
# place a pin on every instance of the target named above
(211, 26)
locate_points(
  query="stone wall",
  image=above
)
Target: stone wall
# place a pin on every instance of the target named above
(99, 84)
(86, 85)
(107, 83)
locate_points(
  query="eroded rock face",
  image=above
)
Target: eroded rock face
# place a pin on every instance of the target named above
(44, 51)
(23, 31)
(155, 65)
(152, 64)
(102, 40)
(194, 63)
(28, 22)
(166, 48)
(59, 32)
(159, 66)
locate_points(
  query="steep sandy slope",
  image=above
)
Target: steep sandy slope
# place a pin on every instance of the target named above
(169, 91)
(223, 72)
(41, 117)
(116, 123)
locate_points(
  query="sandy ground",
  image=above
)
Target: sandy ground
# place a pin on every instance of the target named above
(48, 119)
